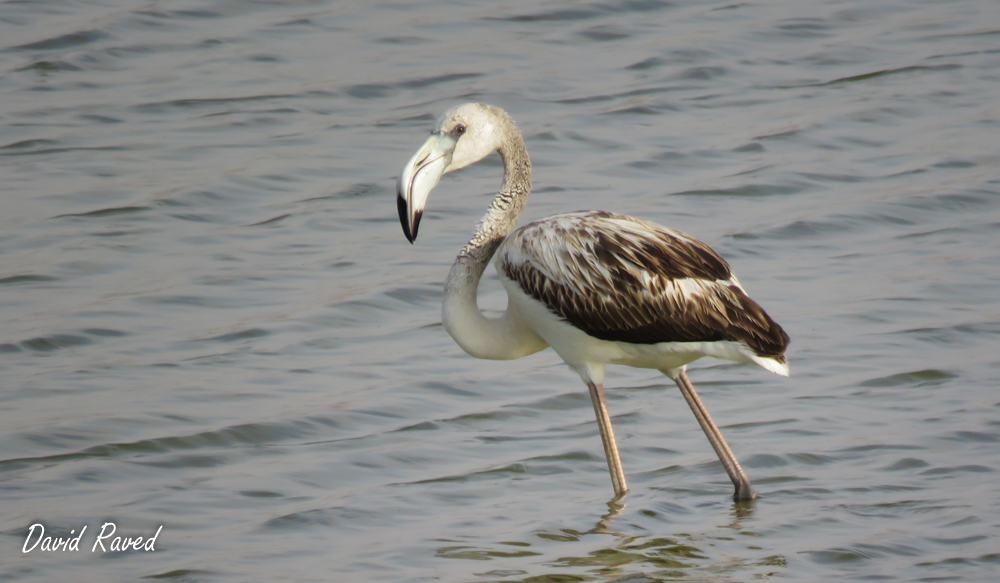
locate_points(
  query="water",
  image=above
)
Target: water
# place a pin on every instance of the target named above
(212, 321)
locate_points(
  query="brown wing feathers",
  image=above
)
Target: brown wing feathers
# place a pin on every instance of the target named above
(625, 280)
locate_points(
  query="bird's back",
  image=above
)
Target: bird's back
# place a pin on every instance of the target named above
(621, 279)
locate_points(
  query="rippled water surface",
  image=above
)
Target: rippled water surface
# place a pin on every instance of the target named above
(212, 321)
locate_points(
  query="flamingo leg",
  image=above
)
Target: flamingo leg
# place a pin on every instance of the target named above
(608, 437)
(744, 491)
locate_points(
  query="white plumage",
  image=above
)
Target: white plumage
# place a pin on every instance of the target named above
(597, 287)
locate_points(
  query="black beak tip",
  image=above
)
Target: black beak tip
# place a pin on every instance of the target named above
(401, 207)
(404, 220)
(416, 225)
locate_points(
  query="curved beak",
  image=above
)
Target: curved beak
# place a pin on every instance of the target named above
(419, 177)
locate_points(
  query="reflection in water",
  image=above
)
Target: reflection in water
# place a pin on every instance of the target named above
(615, 507)
(626, 556)
(742, 509)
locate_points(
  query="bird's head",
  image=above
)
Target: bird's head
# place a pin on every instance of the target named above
(463, 135)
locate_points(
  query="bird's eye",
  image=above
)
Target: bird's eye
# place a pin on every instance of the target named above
(459, 130)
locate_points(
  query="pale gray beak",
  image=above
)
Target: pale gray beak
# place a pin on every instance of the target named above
(419, 177)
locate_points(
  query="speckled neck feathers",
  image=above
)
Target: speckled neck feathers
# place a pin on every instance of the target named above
(506, 208)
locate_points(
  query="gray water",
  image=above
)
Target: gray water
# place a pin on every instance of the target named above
(212, 321)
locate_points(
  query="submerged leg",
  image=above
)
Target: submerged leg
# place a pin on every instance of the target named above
(744, 491)
(608, 437)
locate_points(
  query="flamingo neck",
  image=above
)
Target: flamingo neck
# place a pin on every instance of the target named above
(503, 338)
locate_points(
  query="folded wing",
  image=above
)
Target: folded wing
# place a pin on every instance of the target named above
(621, 279)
